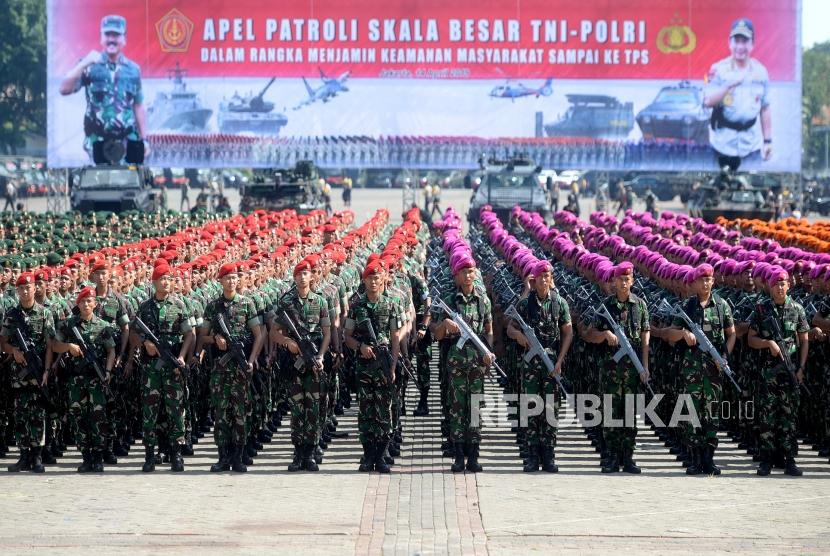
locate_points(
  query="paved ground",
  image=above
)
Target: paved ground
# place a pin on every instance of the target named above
(420, 508)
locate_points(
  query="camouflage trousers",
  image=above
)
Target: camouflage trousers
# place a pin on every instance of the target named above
(229, 390)
(162, 384)
(702, 382)
(423, 356)
(537, 382)
(304, 400)
(619, 379)
(88, 412)
(777, 416)
(466, 379)
(374, 394)
(29, 417)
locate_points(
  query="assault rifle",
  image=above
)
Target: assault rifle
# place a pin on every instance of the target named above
(236, 349)
(788, 364)
(308, 351)
(466, 333)
(90, 358)
(706, 345)
(33, 367)
(384, 353)
(164, 350)
(535, 348)
(625, 345)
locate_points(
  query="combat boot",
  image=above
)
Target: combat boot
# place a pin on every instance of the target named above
(224, 461)
(708, 461)
(237, 465)
(387, 457)
(37, 463)
(250, 450)
(532, 459)
(472, 459)
(423, 409)
(309, 463)
(368, 461)
(97, 461)
(47, 457)
(149, 459)
(244, 454)
(257, 445)
(612, 463)
(548, 464)
(380, 461)
(458, 465)
(22, 464)
(187, 449)
(696, 465)
(792, 469)
(265, 436)
(176, 461)
(118, 449)
(296, 463)
(629, 466)
(86, 464)
(394, 449)
(318, 454)
(765, 467)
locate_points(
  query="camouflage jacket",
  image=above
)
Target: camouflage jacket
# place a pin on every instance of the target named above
(713, 319)
(545, 317)
(240, 314)
(112, 91)
(37, 326)
(97, 333)
(168, 319)
(310, 314)
(631, 314)
(791, 322)
(383, 314)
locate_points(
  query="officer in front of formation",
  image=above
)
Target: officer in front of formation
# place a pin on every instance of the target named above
(87, 390)
(309, 314)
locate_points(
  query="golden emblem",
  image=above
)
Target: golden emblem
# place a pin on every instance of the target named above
(676, 38)
(174, 31)
(728, 99)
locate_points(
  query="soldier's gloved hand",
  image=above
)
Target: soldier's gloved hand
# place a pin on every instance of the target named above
(151, 348)
(75, 350)
(221, 343)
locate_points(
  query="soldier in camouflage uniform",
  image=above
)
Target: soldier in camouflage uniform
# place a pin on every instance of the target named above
(114, 97)
(37, 326)
(87, 400)
(375, 386)
(231, 379)
(549, 316)
(309, 313)
(702, 380)
(163, 382)
(465, 366)
(621, 378)
(778, 328)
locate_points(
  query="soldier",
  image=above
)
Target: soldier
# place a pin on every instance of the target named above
(620, 379)
(231, 378)
(309, 313)
(375, 385)
(466, 366)
(37, 327)
(163, 381)
(779, 326)
(87, 400)
(549, 315)
(115, 101)
(701, 377)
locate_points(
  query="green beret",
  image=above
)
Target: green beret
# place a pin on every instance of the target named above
(53, 259)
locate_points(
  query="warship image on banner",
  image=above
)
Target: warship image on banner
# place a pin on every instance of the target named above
(250, 113)
(178, 109)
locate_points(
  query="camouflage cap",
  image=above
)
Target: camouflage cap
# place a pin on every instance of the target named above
(114, 24)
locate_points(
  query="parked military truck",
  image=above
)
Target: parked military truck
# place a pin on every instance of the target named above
(282, 189)
(114, 188)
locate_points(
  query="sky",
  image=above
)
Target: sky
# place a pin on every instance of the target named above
(815, 15)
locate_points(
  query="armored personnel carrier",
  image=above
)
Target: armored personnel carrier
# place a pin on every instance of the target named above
(179, 109)
(250, 113)
(283, 189)
(730, 195)
(596, 116)
(507, 183)
(113, 188)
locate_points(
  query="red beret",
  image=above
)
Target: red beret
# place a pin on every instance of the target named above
(85, 292)
(100, 265)
(42, 274)
(159, 271)
(227, 268)
(305, 264)
(65, 271)
(25, 278)
(374, 267)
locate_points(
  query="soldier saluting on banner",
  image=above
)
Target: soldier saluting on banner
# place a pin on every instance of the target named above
(114, 98)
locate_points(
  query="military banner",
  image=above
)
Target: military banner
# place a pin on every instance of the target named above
(642, 84)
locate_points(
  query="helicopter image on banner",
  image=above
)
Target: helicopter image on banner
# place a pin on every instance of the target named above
(327, 91)
(519, 90)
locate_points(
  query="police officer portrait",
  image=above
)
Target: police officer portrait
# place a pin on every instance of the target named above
(115, 114)
(738, 93)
